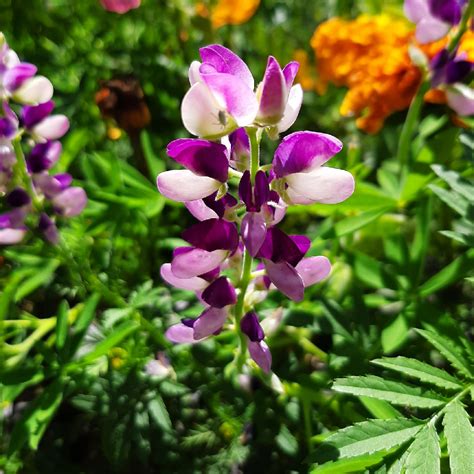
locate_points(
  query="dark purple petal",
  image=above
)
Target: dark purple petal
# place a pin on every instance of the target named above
(273, 95)
(18, 198)
(250, 326)
(202, 157)
(289, 72)
(261, 354)
(15, 76)
(64, 179)
(279, 247)
(223, 60)
(253, 230)
(213, 234)
(211, 274)
(33, 114)
(7, 128)
(449, 11)
(219, 206)
(48, 228)
(303, 151)
(245, 190)
(302, 242)
(219, 293)
(456, 71)
(43, 156)
(261, 190)
(286, 279)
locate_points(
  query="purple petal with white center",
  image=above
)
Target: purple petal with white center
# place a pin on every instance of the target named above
(11, 236)
(52, 128)
(236, 98)
(196, 262)
(48, 228)
(304, 151)
(202, 157)
(219, 293)
(313, 269)
(250, 326)
(31, 115)
(15, 76)
(225, 61)
(325, 185)
(461, 99)
(213, 234)
(35, 90)
(70, 202)
(192, 284)
(210, 321)
(200, 211)
(253, 230)
(200, 112)
(286, 279)
(289, 72)
(261, 354)
(180, 334)
(43, 156)
(184, 185)
(273, 94)
(292, 109)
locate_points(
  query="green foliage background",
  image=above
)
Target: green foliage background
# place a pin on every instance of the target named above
(74, 390)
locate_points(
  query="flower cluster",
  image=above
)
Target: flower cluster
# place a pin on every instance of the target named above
(371, 56)
(236, 253)
(31, 193)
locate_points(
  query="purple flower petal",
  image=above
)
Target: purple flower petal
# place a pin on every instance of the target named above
(192, 284)
(11, 236)
(286, 279)
(35, 90)
(52, 128)
(70, 202)
(461, 99)
(261, 354)
(223, 60)
(7, 128)
(273, 94)
(43, 156)
(200, 210)
(325, 185)
(219, 293)
(202, 157)
(292, 109)
(18, 198)
(15, 76)
(210, 321)
(449, 11)
(184, 185)
(304, 151)
(280, 247)
(289, 72)
(239, 149)
(213, 234)
(195, 262)
(48, 228)
(120, 6)
(416, 10)
(181, 334)
(32, 115)
(254, 231)
(313, 269)
(250, 326)
(431, 29)
(302, 242)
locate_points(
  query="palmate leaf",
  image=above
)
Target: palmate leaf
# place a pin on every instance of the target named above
(420, 370)
(460, 436)
(448, 349)
(424, 453)
(368, 437)
(394, 392)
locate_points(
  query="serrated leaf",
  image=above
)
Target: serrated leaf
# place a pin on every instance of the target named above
(420, 370)
(455, 181)
(159, 413)
(369, 437)
(460, 436)
(424, 453)
(454, 200)
(394, 392)
(380, 409)
(357, 464)
(449, 350)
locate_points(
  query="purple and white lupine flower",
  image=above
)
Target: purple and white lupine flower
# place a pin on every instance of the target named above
(433, 18)
(37, 132)
(235, 228)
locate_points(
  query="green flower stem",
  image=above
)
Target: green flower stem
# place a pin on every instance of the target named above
(246, 274)
(463, 25)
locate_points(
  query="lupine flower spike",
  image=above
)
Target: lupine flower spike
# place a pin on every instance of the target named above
(33, 196)
(237, 232)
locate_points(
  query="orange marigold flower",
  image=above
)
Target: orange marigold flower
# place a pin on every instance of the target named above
(233, 12)
(305, 75)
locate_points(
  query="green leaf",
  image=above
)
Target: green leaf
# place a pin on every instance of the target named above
(159, 413)
(356, 464)
(452, 199)
(455, 181)
(37, 417)
(395, 334)
(87, 314)
(371, 272)
(460, 436)
(424, 453)
(41, 276)
(368, 437)
(448, 349)
(155, 164)
(448, 275)
(422, 232)
(388, 390)
(420, 370)
(380, 409)
(62, 324)
(286, 441)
